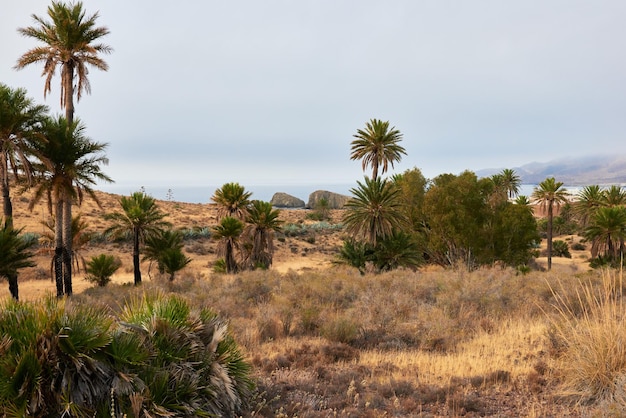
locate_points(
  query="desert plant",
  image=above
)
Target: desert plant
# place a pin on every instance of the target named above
(100, 269)
(377, 145)
(195, 368)
(232, 200)
(560, 248)
(590, 332)
(263, 223)
(140, 216)
(173, 260)
(14, 255)
(228, 234)
(549, 194)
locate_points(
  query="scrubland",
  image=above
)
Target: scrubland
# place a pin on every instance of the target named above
(324, 340)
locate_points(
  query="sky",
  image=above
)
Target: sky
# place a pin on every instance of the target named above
(271, 92)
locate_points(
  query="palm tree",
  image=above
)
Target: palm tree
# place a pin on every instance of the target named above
(375, 212)
(549, 193)
(376, 146)
(614, 196)
(232, 200)
(68, 168)
(228, 233)
(607, 232)
(262, 222)
(14, 255)
(80, 238)
(157, 244)
(511, 182)
(174, 260)
(100, 269)
(19, 118)
(589, 199)
(141, 217)
(69, 42)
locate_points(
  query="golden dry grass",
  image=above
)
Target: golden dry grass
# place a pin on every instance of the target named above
(325, 340)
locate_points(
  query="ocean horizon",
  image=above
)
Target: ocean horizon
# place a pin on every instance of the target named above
(202, 194)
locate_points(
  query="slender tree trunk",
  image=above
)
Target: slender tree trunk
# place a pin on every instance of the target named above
(136, 265)
(549, 235)
(57, 261)
(67, 246)
(6, 196)
(68, 84)
(12, 278)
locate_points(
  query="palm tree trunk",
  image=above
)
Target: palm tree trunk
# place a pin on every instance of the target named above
(6, 197)
(58, 247)
(550, 236)
(12, 278)
(68, 85)
(67, 246)
(136, 266)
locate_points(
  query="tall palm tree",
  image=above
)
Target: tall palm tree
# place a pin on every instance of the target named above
(262, 222)
(69, 40)
(232, 200)
(588, 200)
(140, 217)
(19, 119)
(375, 212)
(607, 232)
(69, 166)
(228, 232)
(549, 193)
(377, 145)
(14, 255)
(511, 182)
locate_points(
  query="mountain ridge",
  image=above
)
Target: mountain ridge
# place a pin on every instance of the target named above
(572, 171)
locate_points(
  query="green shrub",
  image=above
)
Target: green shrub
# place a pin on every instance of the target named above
(560, 249)
(100, 269)
(162, 358)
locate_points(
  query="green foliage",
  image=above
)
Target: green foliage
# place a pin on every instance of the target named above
(399, 250)
(100, 269)
(560, 248)
(374, 212)
(377, 145)
(321, 211)
(163, 358)
(232, 200)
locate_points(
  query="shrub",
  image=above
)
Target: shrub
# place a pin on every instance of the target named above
(560, 249)
(100, 269)
(592, 340)
(161, 359)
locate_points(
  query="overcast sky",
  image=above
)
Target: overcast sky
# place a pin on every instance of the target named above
(271, 92)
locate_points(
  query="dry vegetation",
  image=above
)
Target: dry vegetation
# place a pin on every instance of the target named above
(325, 341)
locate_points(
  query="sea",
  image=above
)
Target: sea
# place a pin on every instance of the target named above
(202, 194)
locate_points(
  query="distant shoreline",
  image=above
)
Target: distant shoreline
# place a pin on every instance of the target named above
(202, 194)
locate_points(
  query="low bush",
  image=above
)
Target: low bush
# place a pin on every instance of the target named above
(161, 358)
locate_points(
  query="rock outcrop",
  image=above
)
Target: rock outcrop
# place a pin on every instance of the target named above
(284, 200)
(335, 200)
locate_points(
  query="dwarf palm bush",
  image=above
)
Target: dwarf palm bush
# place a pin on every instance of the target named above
(100, 269)
(161, 359)
(52, 359)
(195, 367)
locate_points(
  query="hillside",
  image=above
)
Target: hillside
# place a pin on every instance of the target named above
(596, 169)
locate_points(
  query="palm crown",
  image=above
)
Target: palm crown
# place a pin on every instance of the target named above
(377, 145)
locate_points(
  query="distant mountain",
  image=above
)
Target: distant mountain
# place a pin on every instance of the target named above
(582, 171)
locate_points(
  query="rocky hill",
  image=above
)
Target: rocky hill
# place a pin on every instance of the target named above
(597, 169)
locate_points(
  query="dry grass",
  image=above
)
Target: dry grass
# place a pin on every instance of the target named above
(326, 341)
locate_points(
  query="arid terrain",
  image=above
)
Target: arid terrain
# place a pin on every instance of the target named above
(325, 341)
